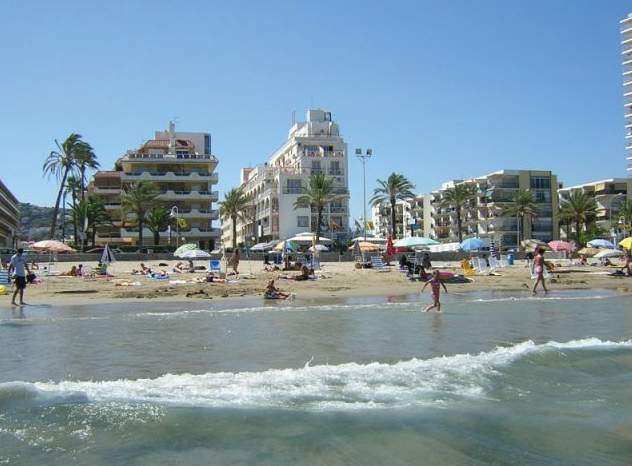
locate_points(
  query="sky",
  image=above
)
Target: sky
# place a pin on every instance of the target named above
(439, 89)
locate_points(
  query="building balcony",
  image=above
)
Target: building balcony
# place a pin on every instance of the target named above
(170, 195)
(112, 205)
(107, 189)
(206, 177)
(200, 213)
(198, 232)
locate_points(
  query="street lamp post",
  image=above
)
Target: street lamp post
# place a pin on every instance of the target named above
(175, 213)
(363, 156)
(613, 232)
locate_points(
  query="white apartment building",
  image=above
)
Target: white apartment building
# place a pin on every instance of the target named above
(482, 216)
(182, 167)
(626, 46)
(411, 217)
(313, 146)
(609, 195)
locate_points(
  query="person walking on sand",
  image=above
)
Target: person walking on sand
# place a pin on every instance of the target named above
(435, 285)
(234, 262)
(538, 271)
(20, 268)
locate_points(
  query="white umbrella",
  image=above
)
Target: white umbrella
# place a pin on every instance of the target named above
(319, 247)
(194, 254)
(107, 257)
(414, 242)
(608, 253)
(369, 239)
(304, 238)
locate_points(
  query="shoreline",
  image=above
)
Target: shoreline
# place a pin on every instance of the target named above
(339, 280)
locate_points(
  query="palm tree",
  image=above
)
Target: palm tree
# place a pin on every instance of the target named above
(625, 212)
(457, 197)
(523, 206)
(395, 188)
(581, 208)
(138, 198)
(318, 194)
(72, 188)
(235, 206)
(60, 163)
(90, 214)
(158, 219)
(84, 160)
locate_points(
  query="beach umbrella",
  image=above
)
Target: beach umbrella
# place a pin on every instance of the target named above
(307, 238)
(194, 254)
(263, 246)
(367, 247)
(107, 257)
(319, 247)
(473, 244)
(370, 239)
(51, 246)
(601, 243)
(626, 243)
(390, 250)
(609, 253)
(531, 244)
(559, 245)
(588, 252)
(286, 245)
(356, 249)
(414, 242)
(185, 247)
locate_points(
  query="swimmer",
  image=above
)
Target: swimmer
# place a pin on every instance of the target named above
(435, 284)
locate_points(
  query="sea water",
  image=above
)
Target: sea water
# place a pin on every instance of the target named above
(497, 378)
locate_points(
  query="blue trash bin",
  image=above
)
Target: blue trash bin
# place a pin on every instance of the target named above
(510, 259)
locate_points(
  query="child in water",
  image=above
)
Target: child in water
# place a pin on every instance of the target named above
(435, 285)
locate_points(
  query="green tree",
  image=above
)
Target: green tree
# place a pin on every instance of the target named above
(138, 198)
(396, 188)
(72, 188)
(457, 197)
(523, 207)
(625, 214)
(235, 206)
(318, 193)
(158, 219)
(61, 163)
(84, 160)
(90, 214)
(582, 208)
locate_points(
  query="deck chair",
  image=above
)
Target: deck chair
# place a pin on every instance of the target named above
(481, 266)
(88, 273)
(315, 262)
(4, 277)
(378, 264)
(494, 264)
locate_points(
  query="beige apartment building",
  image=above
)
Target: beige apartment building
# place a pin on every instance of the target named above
(411, 216)
(610, 195)
(313, 146)
(182, 167)
(483, 217)
(9, 217)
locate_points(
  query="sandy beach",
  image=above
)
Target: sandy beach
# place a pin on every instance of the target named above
(335, 279)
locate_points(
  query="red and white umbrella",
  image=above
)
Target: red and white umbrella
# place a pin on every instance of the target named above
(51, 245)
(559, 245)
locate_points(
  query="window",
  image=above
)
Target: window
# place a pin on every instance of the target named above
(316, 167)
(302, 221)
(541, 182)
(334, 168)
(293, 186)
(207, 143)
(542, 196)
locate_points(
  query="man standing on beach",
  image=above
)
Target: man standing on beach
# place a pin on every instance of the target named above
(20, 268)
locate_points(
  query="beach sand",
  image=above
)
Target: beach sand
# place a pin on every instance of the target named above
(336, 279)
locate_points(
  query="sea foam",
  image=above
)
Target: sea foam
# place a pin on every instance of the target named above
(415, 382)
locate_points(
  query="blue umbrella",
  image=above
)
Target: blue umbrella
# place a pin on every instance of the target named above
(107, 257)
(472, 244)
(600, 243)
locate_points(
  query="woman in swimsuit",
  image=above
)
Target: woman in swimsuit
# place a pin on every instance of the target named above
(538, 271)
(435, 285)
(272, 292)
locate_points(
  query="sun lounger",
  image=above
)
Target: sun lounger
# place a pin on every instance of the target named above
(378, 264)
(4, 278)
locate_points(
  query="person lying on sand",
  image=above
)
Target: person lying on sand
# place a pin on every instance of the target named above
(144, 270)
(178, 268)
(210, 278)
(272, 292)
(71, 273)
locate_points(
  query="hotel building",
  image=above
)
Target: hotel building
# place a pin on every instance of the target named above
(182, 167)
(9, 217)
(482, 216)
(412, 217)
(313, 146)
(609, 195)
(626, 52)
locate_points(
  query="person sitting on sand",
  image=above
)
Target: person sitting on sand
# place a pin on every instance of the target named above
(583, 260)
(538, 271)
(425, 261)
(71, 273)
(304, 275)
(79, 271)
(178, 268)
(272, 292)
(627, 262)
(435, 283)
(605, 262)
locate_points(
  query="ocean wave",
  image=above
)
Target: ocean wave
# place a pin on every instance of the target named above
(415, 382)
